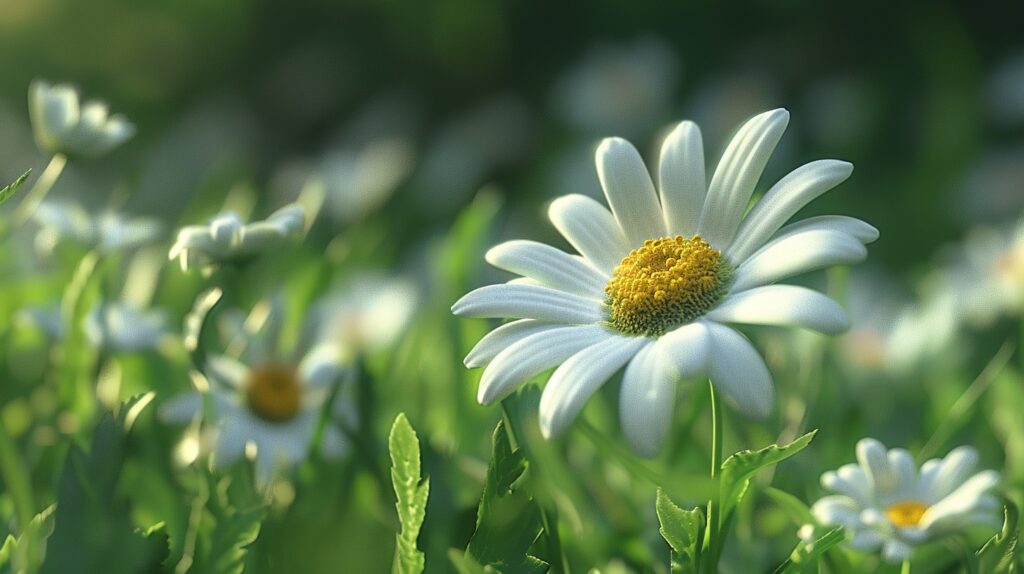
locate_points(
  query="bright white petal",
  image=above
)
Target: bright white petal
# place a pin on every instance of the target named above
(782, 305)
(738, 371)
(905, 471)
(736, 175)
(962, 501)
(181, 409)
(533, 355)
(836, 510)
(783, 200)
(591, 229)
(866, 540)
(874, 460)
(850, 481)
(629, 190)
(227, 371)
(549, 266)
(795, 254)
(579, 377)
(943, 477)
(529, 302)
(646, 401)
(321, 366)
(686, 350)
(861, 230)
(895, 551)
(681, 179)
(497, 340)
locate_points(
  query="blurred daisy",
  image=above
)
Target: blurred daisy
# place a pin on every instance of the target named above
(264, 398)
(985, 279)
(120, 326)
(367, 314)
(229, 239)
(355, 182)
(659, 280)
(619, 88)
(884, 502)
(63, 125)
(108, 231)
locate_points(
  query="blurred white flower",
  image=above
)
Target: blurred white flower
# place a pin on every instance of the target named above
(985, 279)
(992, 188)
(63, 125)
(623, 89)
(120, 326)
(267, 399)
(661, 281)
(228, 239)
(107, 231)
(47, 319)
(884, 502)
(366, 314)
(357, 181)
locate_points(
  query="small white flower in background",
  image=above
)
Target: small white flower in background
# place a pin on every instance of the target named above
(619, 88)
(107, 231)
(229, 239)
(47, 319)
(366, 314)
(120, 326)
(659, 280)
(985, 279)
(63, 125)
(884, 502)
(355, 182)
(263, 398)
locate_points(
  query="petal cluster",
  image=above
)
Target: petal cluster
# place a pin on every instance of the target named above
(64, 125)
(884, 502)
(108, 231)
(229, 239)
(560, 303)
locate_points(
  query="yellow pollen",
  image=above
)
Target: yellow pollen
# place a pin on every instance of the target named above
(273, 392)
(665, 283)
(906, 513)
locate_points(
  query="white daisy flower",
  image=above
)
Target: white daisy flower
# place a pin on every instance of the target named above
(366, 314)
(63, 125)
(264, 399)
(986, 276)
(228, 239)
(108, 231)
(120, 326)
(884, 502)
(659, 280)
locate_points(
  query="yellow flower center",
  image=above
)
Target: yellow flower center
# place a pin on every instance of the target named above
(906, 513)
(666, 283)
(273, 392)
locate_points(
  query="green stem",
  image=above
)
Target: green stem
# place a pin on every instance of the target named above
(906, 567)
(712, 536)
(16, 478)
(40, 189)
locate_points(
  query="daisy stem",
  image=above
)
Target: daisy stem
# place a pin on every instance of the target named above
(40, 189)
(16, 477)
(906, 567)
(712, 537)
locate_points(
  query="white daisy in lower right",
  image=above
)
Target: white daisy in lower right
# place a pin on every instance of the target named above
(884, 502)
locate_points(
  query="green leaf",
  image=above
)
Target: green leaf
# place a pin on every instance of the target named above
(999, 554)
(738, 469)
(230, 522)
(795, 508)
(8, 192)
(411, 493)
(93, 530)
(806, 555)
(25, 553)
(508, 519)
(684, 532)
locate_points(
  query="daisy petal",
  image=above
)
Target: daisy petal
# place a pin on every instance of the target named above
(497, 340)
(782, 305)
(861, 230)
(949, 473)
(579, 377)
(590, 228)
(736, 175)
(549, 266)
(962, 501)
(181, 409)
(738, 371)
(850, 481)
(798, 253)
(783, 200)
(529, 302)
(681, 179)
(874, 460)
(836, 510)
(905, 473)
(895, 551)
(629, 190)
(227, 371)
(685, 350)
(646, 401)
(321, 366)
(533, 355)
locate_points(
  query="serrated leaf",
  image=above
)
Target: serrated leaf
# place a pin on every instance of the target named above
(231, 522)
(684, 532)
(93, 531)
(999, 554)
(8, 192)
(738, 469)
(25, 553)
(806, 555)
(411, 493)
(508, 519)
